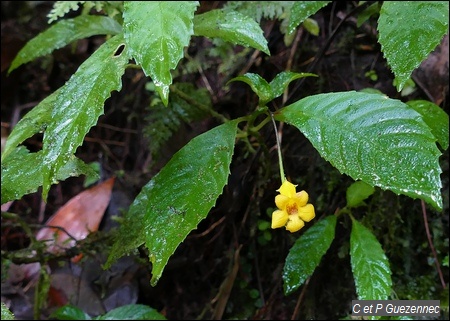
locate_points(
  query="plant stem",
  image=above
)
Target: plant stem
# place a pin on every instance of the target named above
(280, 159)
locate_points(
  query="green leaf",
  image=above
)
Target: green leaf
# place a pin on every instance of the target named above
(62, 33)
(435, 117)
(305, 255)
(6, 313)
(80, 103)
(156, 33)
(370, 265)
(358, 192)
(132, 312)
(22, 173)
(176, 199)
(259, 86)
(265, 91)
(282, 80)
(69, 312)
(372, 138)
(231, 26)
(367, 13)
(35, 121)
(302, 10)
(408, 32)
(311, 26)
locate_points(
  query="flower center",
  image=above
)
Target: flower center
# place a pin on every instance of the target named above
(291, 208)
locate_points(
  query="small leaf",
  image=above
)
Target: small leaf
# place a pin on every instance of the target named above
(358, 192)
(132, 312)
(69, 312)
(311, 26)
(80, 103)
(370, 265)
(174, 202)
(367, 13)
(302, 10)
(307, 252)
(62, 33)
(408, 32)
(282, 80)
(435, 117)
(6, 313)
(259, 86)
(372, 138)
(156, 33)
(231, 26)
(22, 173)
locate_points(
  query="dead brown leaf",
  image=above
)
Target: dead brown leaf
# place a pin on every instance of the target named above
(80, 216)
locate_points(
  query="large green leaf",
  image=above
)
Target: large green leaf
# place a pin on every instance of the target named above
(302, 10)
(435, 117)
(156, 33)
(372, 138)
(370, 265)
(35, 121)
(80, 103)
(62, 33)
(408, 32)
(22, 173)
(305, 255)
(231, 26)
(177, 198)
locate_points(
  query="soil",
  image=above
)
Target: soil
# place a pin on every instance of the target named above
(193, 281)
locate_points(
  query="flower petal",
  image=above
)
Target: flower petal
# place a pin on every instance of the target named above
(287, 189)
(279, 218)
(281, 201)
(294, 224)
(306, 212)
(302, 198)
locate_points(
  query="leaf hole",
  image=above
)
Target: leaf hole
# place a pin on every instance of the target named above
(119, 50)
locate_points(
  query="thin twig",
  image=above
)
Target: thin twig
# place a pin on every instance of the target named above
(299, 301)
(430, 241)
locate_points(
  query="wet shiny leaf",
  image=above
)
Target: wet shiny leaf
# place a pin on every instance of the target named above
(370, 265)
(435, 117)
(62, 33)
(408, 32)
(231, 26)
(174, 202)
(156, 33)
(302, 10)
(80, 103)
(372, 138)
(305, 255)
(22, 173)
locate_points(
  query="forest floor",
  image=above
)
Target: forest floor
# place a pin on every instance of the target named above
(193, 281)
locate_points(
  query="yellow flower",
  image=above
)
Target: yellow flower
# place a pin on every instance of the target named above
(293, 208)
